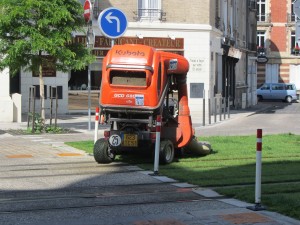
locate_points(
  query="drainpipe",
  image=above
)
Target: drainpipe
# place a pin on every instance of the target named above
(247, 47)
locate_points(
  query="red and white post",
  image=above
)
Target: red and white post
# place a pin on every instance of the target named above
(96, 124)
(258, 167)
(258, 205)
(157, 144)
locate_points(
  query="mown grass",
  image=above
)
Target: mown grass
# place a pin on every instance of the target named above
(230, 169)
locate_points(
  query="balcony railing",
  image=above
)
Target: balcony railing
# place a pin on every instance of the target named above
(264, 18)
(295, 51)
(291, 18)
(150, 15)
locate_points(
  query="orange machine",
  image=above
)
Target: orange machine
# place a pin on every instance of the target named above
(139, 83)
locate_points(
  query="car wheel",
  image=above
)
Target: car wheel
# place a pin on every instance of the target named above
(259, 98)
(288, 99)
(102, 153)
(166, 154)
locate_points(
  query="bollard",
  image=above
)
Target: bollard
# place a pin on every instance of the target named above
(203, 113)
(215, 112)
(157, 144)
(224, 107)
(258, 205)
(96, 124)
(228, 109)
(209, 111)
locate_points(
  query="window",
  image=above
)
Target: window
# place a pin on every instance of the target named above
(293, 16)
(58, 90)
(277, 87)
(261, 38)
(295, 48)
(265, 87)
(252, 5)
(149, 10)
(261, 12)
(131, 78)
(293, 40)
(37, 91)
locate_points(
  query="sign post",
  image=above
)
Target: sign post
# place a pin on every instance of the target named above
(87, 17)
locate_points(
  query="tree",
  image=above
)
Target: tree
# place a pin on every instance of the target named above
(37, 33)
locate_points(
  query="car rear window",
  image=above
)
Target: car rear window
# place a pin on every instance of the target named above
(130, 78)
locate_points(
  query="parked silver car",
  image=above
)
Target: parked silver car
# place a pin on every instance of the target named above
(277, 91)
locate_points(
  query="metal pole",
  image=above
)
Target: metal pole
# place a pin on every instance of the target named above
(29, 106)
(51, 104)
(209, 111)
(228, 109)
(96, 124)
(224, 107)
(56, 106)
(203, 108)
(33, 111)
(215, 112)
(220, 108)
(89, 96)
(157, 144)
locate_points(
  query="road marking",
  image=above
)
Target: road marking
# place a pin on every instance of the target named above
(246, 218)
(20, 156)
(69, 154)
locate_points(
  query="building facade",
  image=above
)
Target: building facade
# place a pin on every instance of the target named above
(218, 37)
(276, 34)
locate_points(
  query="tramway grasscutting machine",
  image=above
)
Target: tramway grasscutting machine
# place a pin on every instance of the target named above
(138, 84)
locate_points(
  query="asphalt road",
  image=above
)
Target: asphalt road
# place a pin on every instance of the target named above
(272, 117)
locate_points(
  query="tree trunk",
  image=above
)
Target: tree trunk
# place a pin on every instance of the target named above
(42, 96)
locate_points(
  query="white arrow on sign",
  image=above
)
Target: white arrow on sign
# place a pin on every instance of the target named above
(109, 18)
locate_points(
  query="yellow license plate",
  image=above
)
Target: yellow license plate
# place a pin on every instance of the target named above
(130, 140)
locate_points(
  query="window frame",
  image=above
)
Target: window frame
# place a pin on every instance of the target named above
(261, 38)
(149, 10)
(261, 11)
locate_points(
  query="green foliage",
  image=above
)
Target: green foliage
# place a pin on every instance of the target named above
(87, 146)
(39, 125)
(30, 28)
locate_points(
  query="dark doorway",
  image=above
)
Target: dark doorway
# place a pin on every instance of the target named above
(14, 84)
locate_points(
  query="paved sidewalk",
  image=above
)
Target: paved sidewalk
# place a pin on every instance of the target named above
(49, 147)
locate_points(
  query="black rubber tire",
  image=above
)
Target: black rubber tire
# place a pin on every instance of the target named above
(101, 154)
(288, 99)
(166, 154)
(259, 98)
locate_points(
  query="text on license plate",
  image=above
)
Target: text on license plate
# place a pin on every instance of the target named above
(130, 140)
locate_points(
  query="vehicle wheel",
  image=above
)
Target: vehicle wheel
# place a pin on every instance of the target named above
(259, 98)
(166, 154)
(102, 153)
(288, 99)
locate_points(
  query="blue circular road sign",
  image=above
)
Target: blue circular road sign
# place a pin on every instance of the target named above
(112, 22)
